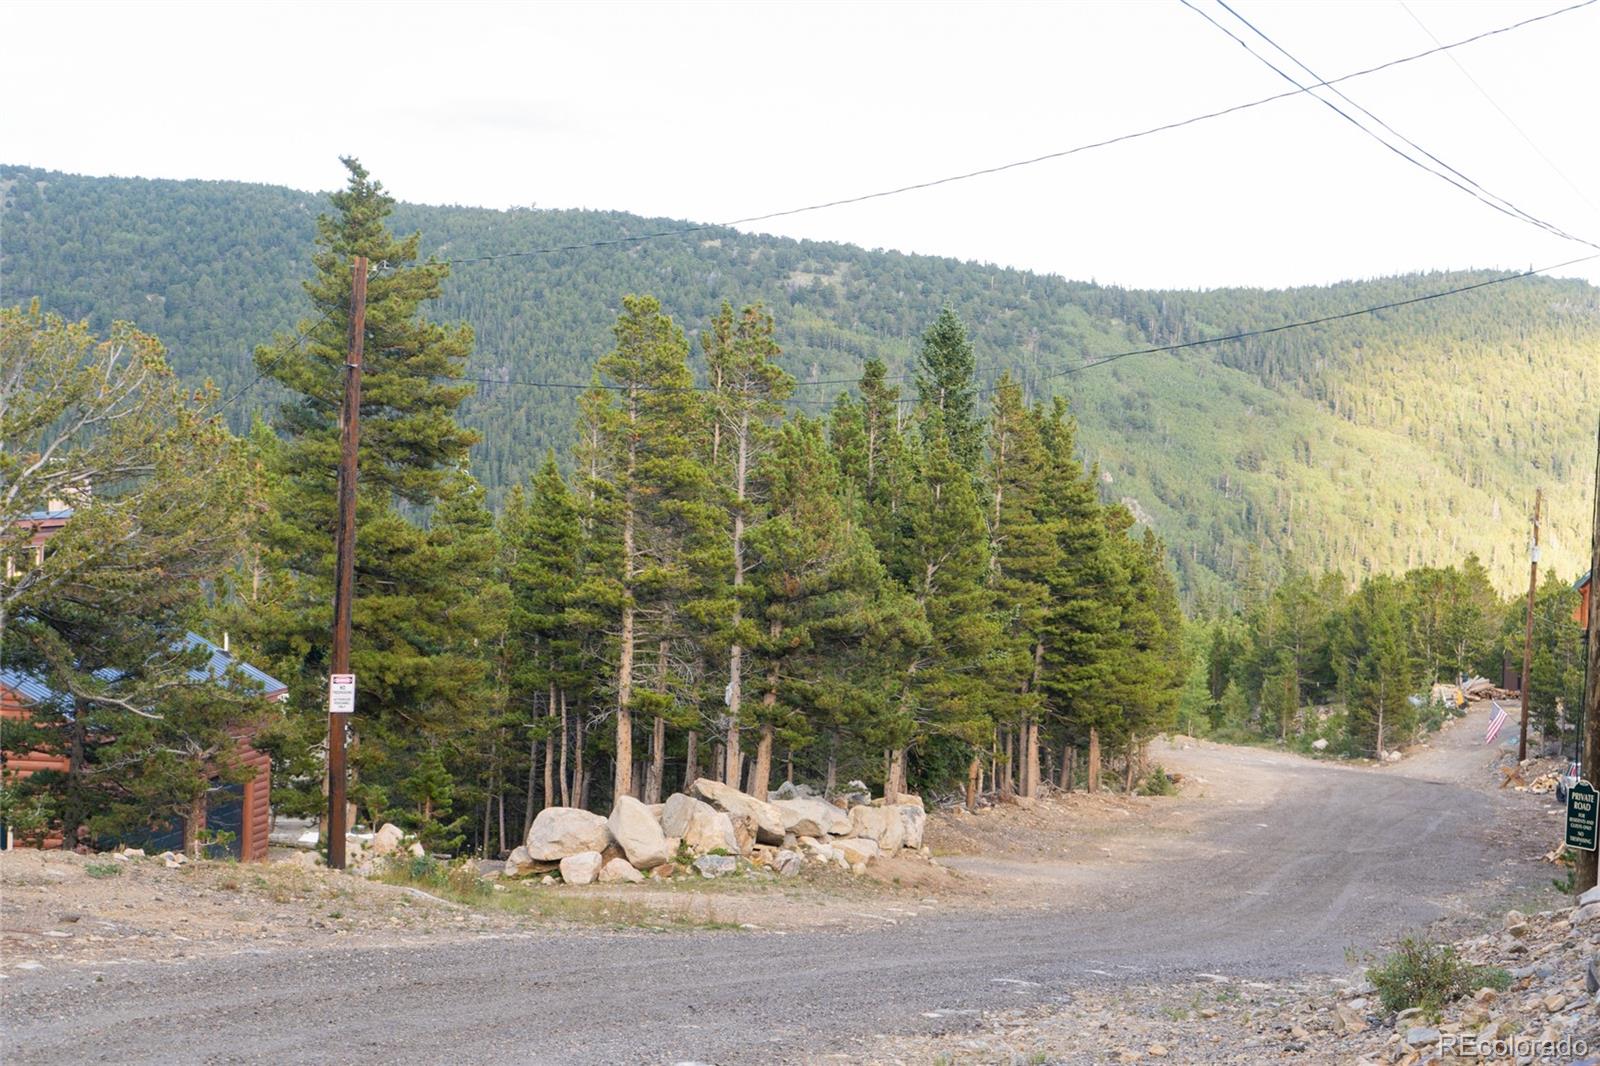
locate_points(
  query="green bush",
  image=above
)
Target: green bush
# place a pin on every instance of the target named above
(1420, 974)
(457, 880)
(1157, 783)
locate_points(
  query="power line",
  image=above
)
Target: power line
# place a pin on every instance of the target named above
(1248, 334)
(1465, 184)
(1200, 342)
(1001, 168)
(1465, 73)
(266, 368)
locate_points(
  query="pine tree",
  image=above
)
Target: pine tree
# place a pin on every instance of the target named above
(645, 455)
(821, 591)
(409, 590)
(946, 396)
(747, 388)
(1023, 553)
(1083, 611)
(1375, 667)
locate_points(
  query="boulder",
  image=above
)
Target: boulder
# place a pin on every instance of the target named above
(905, 798)
(561, 831)
(638, 833)
(619, 871)
(387, 839)
(882, 825)
(812, 817)
(716, 865)
(712, 831)
(915, 820)
(1320, 744)
(580, 869)
(678, 811)
(519, 863)
(665, 872)
(856, 850)
(744, 831)
(787, 863)
(768, 822)
(416, 850)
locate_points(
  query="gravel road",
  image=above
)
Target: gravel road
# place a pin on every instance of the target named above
(1332, 858)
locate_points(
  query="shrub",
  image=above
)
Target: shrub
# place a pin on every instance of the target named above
(1158, 783)
(103, 869)
(1420, 974)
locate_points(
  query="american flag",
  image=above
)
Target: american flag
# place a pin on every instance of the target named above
(1496, 720)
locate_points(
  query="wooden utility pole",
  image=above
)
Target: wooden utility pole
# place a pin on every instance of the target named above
(1585, 872)
(345, 565)
(1527, 637)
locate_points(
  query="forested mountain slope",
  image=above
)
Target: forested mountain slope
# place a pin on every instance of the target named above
(1372, 443)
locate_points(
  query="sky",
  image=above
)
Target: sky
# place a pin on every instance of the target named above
(712, 112)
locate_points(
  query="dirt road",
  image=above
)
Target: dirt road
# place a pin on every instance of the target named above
(1291, 864)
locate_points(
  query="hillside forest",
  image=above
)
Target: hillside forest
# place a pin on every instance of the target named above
(922, 585)
(1369, 445)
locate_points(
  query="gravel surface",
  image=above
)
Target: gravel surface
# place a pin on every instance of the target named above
(1314, 860)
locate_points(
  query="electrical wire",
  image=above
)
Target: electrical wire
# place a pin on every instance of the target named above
(1476, 84)
(266, 368)
(1003, 167)
(1447, 174)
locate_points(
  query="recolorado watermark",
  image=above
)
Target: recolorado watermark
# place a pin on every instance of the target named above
(1468, 1046)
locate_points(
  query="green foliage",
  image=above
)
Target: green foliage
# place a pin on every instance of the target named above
(1370, 444)
(1428, 976)
(1157, 783)
(103, 870)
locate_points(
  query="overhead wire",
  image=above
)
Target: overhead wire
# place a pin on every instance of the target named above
(1448, 174)
(1476, 84)
(1015, 164)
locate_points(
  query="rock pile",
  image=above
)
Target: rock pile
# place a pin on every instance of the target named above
(713, 828)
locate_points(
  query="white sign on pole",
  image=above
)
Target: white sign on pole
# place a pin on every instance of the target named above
(342, 694)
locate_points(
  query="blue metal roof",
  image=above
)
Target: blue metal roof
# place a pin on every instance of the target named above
(216, 668)
(46, 516)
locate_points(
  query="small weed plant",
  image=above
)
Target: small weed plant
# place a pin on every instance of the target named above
(1428, 976)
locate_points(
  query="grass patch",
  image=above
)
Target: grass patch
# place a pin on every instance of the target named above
(460, 883)
(1428, 976)
(102, 870)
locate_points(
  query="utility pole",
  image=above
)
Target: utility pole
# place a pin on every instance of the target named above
(1527, 637)
(344, 568)
(1584, 873)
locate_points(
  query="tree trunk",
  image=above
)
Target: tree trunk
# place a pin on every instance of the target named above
(1129, 767)
(566, 787)
(622, 784)
(788, 765)
(831, 778)
(761, 770)
(658, 734)
(549, 752)
(580, 781)
(1069, 763)
(1007, 789)
(194, 823)
(974, 771)
(735, 694)
(691, 761)
(895, 775)
(1092, 768)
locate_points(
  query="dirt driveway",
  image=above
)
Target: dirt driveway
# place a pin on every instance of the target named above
(1269, 870)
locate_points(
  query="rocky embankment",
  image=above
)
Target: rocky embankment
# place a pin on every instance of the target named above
(714, 830)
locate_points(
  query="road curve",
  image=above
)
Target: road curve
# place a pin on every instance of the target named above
(1340, 858)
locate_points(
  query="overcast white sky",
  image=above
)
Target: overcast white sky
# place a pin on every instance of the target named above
(715, 111)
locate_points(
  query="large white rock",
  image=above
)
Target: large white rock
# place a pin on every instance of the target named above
(882, 825)
(386, 839)
(678, 811)
(716, 865)
(580, 869)
(711, 830)
(856, 849)
(561, 831)
(915, 820)
(637, 832)
(812, 817)
(519, 863)
(768, 821)
(619, 870)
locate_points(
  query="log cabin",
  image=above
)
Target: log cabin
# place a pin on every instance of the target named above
(242, 810)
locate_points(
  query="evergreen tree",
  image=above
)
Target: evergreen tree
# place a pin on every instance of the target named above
(412, 597)
(747, 387)
(946, 396)
(1375, 667)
